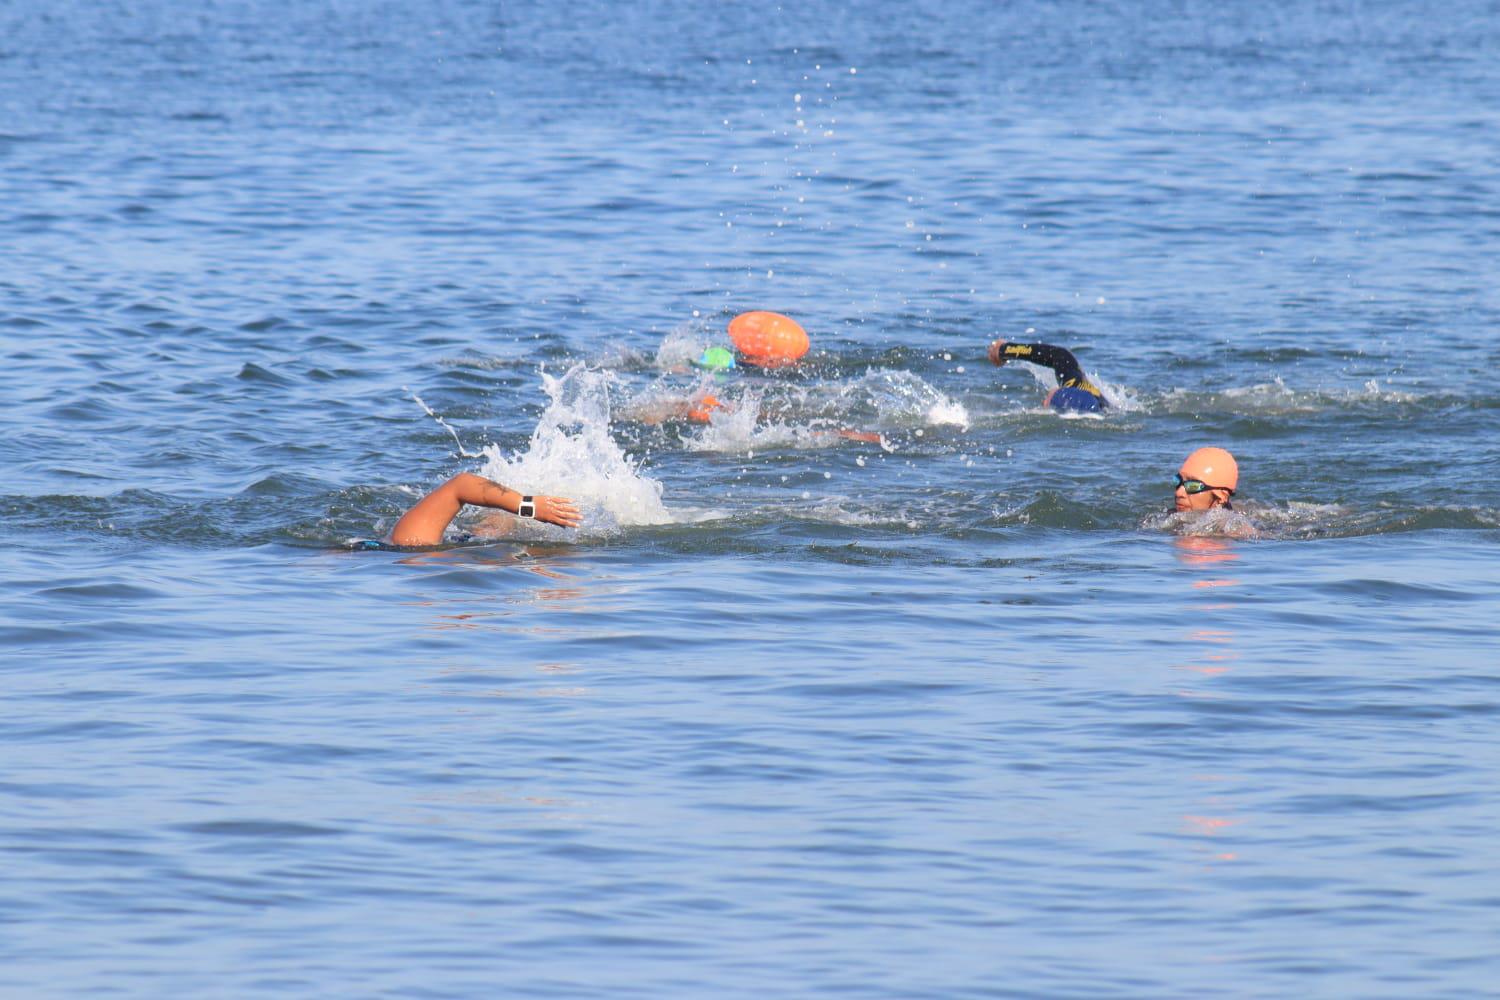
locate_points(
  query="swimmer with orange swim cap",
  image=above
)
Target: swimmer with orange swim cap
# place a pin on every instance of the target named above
(1205, 482)
(1207, 479)
(1074, 391)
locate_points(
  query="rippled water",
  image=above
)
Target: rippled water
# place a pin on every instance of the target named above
(958, 712)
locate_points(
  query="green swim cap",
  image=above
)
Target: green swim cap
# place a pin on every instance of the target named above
(716, 359)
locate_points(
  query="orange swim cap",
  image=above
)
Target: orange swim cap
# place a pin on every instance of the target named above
(768, 339)
(1213, 466)
(701, 410)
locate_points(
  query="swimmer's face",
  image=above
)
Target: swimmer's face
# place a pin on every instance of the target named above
(1203, 497)
(1206, 479)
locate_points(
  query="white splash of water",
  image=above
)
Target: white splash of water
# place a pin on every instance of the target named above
(736, 426)
(1373, 390)
(572, 454)
(1119, 396)
(903, 398)
(948, 412)
(1270, 397)
(1044, 376)
(1216, 523)
(827, 413)
(686, 343)
(1275, 398)
(669, 397)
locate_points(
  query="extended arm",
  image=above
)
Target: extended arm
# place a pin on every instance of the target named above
(1059, 359)
(425, 522)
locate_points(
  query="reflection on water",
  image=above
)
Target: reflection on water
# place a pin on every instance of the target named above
(1213, 654)
(548, 562)
(1200, 550)
(515, 681)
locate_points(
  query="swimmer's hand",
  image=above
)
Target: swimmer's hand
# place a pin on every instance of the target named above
(557, 510)
(995, 357)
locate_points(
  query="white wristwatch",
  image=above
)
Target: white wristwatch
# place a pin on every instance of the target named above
(527, 508)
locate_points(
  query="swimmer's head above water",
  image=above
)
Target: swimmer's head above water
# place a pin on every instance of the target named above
(1207, 479)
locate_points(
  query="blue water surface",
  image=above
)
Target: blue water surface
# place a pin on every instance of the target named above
(961, 712)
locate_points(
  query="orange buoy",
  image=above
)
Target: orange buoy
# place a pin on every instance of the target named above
(703, 409)
(768, 339)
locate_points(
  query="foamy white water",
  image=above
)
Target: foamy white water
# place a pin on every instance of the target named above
(572, 453)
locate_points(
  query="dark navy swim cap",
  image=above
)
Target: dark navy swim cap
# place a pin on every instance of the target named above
(1076, 400)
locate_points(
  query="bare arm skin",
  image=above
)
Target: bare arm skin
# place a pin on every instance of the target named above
(425, 522)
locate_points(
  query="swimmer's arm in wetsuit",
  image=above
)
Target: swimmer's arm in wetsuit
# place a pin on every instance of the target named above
(1069, 373)
(430, 516)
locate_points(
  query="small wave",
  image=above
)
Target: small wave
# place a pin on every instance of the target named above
(1255, 519)
(1386, 520)
(1298, 520)
(1217, 523)
(903, 399)
(1275, 398)
(1121, 397)
(737, 426)
(686, 343)
(252, 372)
(825, 413)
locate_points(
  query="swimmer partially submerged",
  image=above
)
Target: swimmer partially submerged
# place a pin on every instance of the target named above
(1205, 482)
(429, 517)
(759, 339)
(1074, 391)
(1207, 479)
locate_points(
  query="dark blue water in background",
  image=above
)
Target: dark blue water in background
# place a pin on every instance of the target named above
(960, 714)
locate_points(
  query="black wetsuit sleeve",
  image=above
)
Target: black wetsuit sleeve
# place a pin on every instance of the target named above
(1059, 359)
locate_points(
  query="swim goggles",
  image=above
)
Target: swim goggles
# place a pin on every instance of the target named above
(1191, 486)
